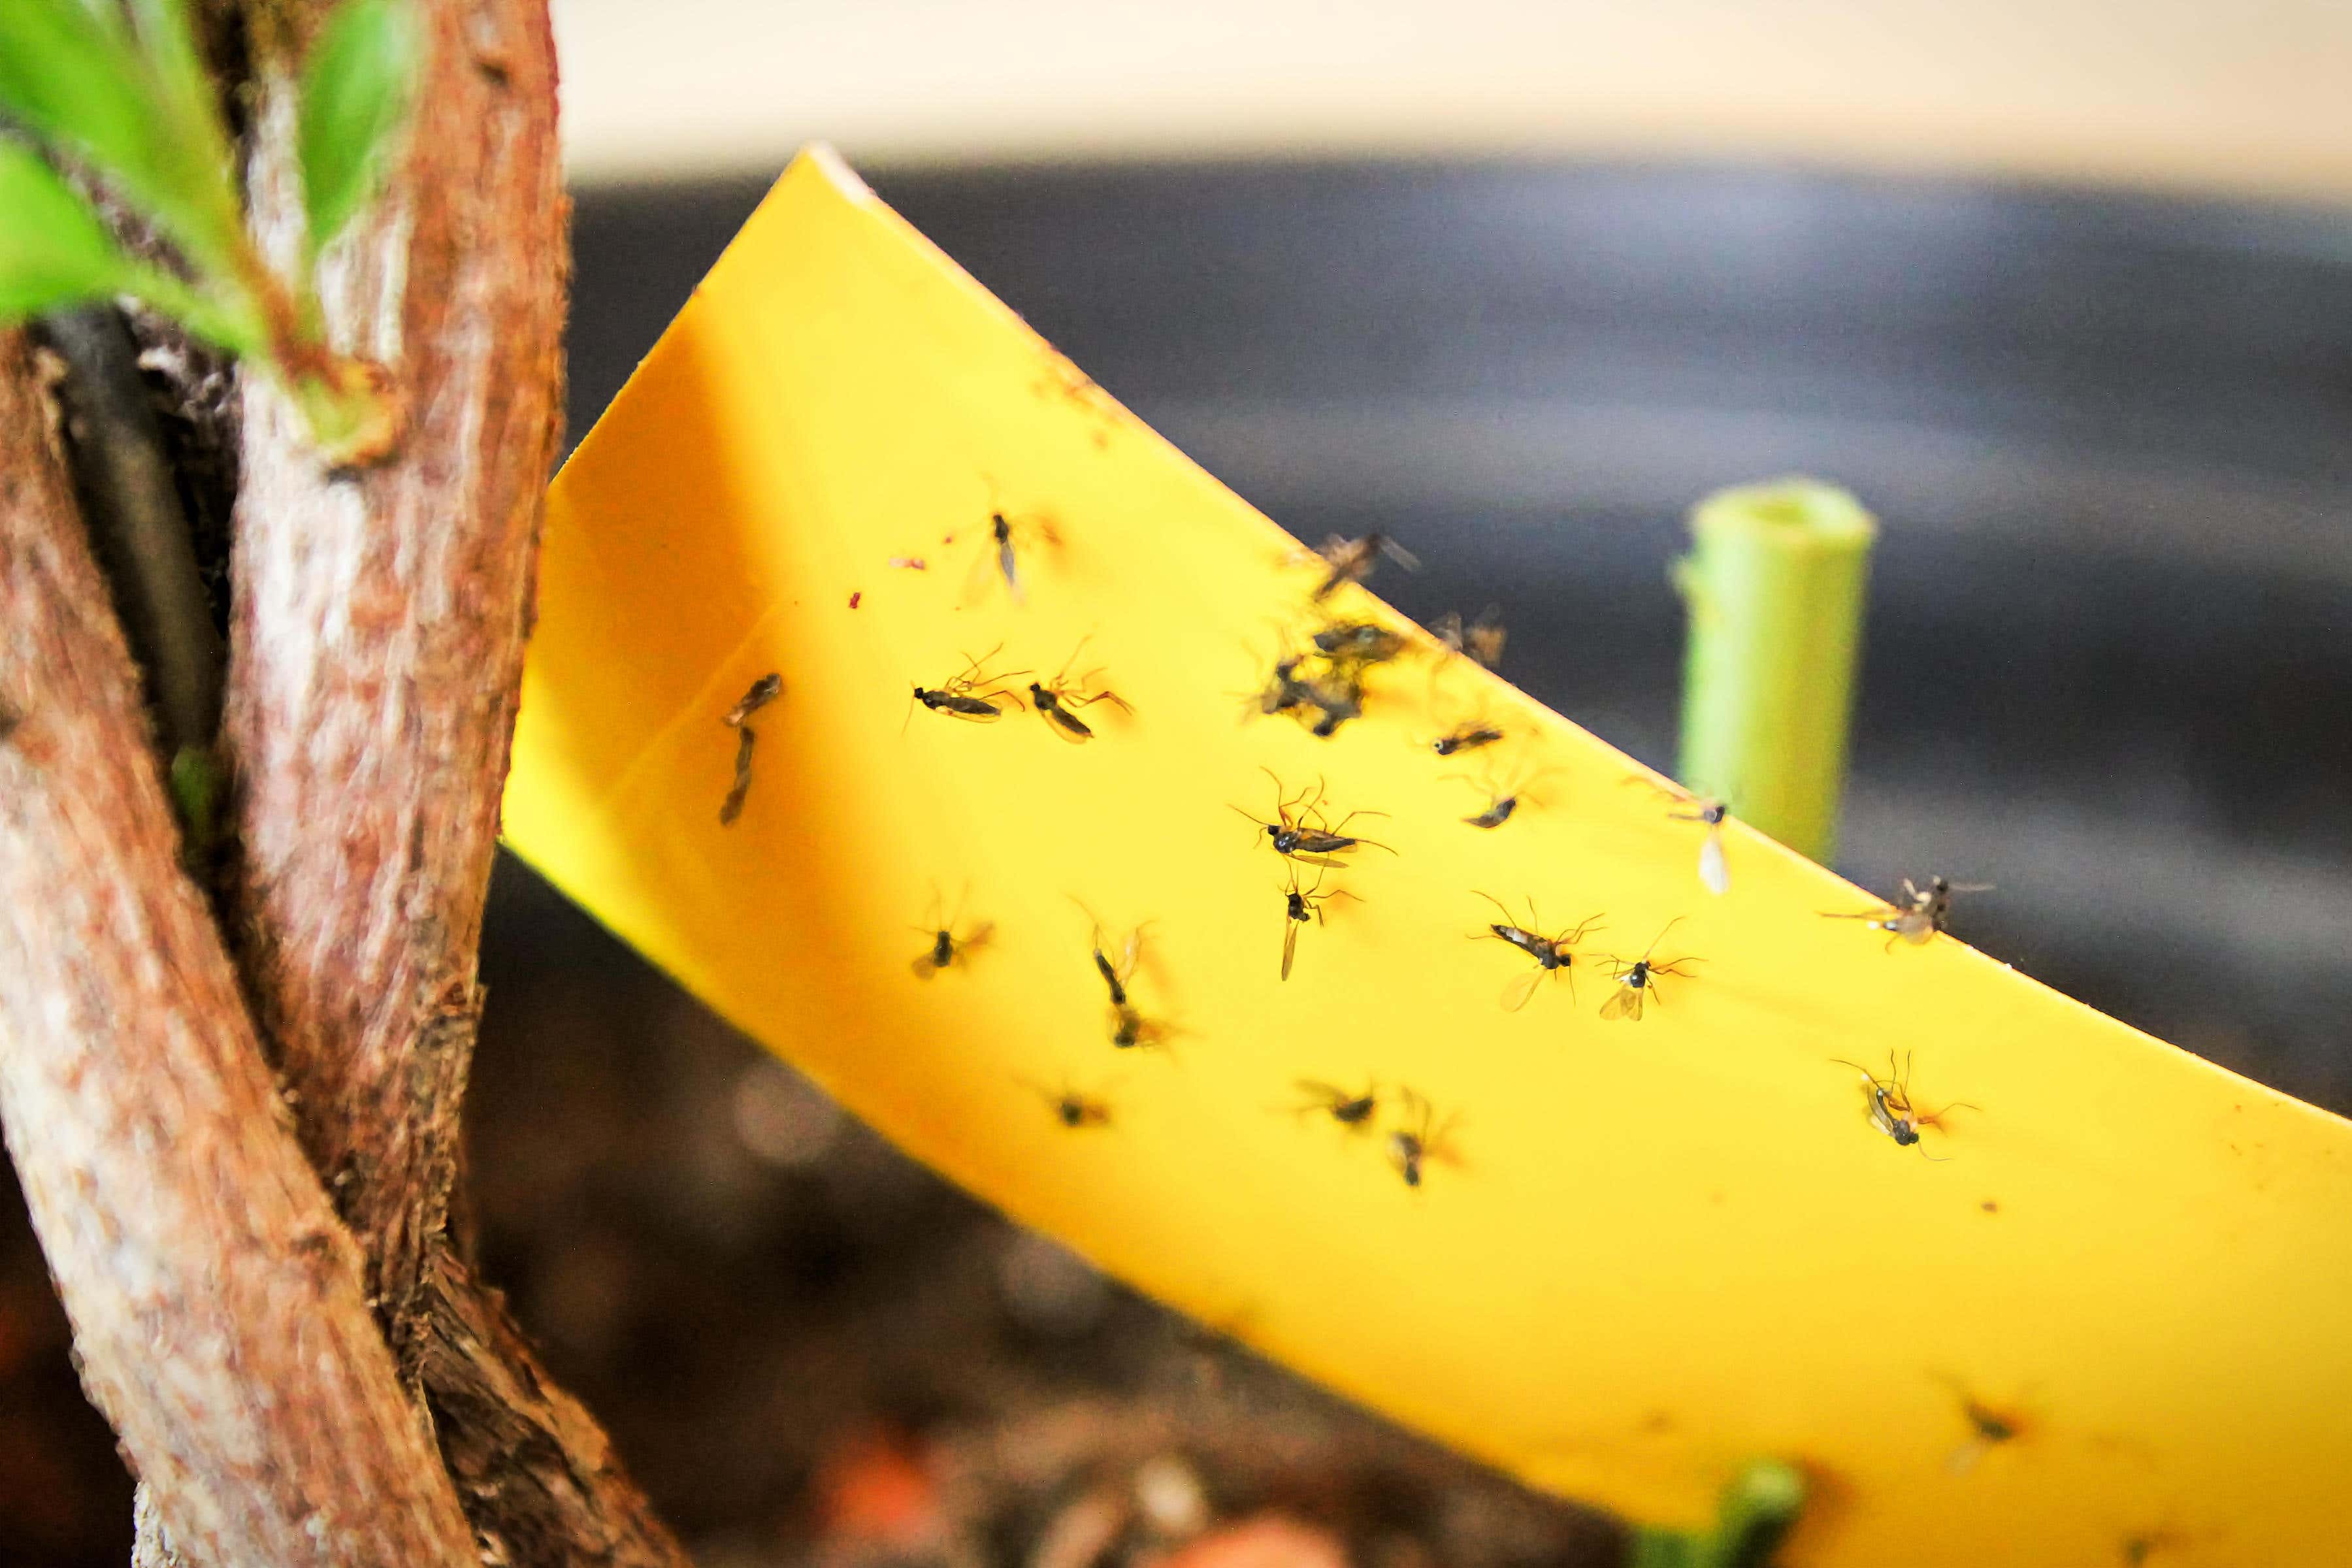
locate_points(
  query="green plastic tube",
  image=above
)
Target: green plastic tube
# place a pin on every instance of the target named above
(1774, 586)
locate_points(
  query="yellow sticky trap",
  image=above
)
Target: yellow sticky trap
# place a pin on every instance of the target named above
(1642, 1251)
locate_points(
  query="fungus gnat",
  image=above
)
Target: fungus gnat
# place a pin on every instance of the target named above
(1921, 913)
(1502, 798)
(1989, 1428)
(1714, 871)
(1421, 1139)
(1070, 1108)
(1553, 954)
(1000, 554)
(1888, 1104)
(1480, 641)
(970, 694)
(1640, 978)
(762, 691)
(948, 948)
(1352, 560)
(1348, 1109)
(1056, 700)
(1466, 736)
(1308, 835)
(1300, 906)
(1115, 972)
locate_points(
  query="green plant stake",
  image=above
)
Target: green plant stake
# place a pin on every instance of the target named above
(1774, 586)
(1756, 1514)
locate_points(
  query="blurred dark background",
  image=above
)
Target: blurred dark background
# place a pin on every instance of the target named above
(2110, 668)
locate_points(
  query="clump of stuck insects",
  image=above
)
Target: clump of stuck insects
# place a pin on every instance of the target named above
(948, 948)
(1300, 830)
(765, 690)
(1919, 916)
(1553, 954)
(1058, 700)
(1639, 978)
(1888, 1103)
(970, 694)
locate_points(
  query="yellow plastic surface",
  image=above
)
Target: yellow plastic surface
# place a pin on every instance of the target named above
(1653, 1249)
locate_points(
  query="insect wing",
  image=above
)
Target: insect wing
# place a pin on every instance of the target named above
(1289, 943)
(1624, 1003)
(1064, 723)
(925, 966)
(1522, 986)
(1713, 870)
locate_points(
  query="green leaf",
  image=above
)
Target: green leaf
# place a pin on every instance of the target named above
(76, 77)
(53, 249)
(356, 87)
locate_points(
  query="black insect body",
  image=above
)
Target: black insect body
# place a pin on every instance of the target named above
(1352, 560)
(1888, 1104)
(1639, 978)
(1077, 1111)
(947, 948)
(1495, 815)
(1553, 954)
(1714, 871)
(765, 690)
(1421, 1139)
(1919, 915)
(1346, 1107)
(1465, 738)
(1358, 643)
(972, 693)
(1000, 555)
(1058, 700)
(1307, 835)
(1301, 905)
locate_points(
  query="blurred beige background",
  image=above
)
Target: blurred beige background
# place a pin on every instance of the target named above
(2233, 94)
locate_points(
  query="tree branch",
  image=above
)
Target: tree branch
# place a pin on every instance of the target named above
(216, 1302)
(375, 654)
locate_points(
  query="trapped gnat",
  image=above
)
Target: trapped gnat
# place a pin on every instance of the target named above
(1070, 1108)
(1352, 560)
(1422, 1139)
(762, 691)
(1888, 1104)
(1301, 905)
(1350, 1109)
(947, 948)
(1504, 795)
(1919, 916)
(1480, 641)
(1000, 553)
(1714, 871)
(1469, 736)
(1989, 1428)
(1639, 978)
(1128, 1026)
(1058, 699)
(970, 694)
(1302, 832)
(1553, 954)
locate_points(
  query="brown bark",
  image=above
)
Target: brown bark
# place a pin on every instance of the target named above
(218, 1303)
(375, 653)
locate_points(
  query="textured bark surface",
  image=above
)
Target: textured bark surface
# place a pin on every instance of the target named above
(218, 1303)
(375, 652)
(376, 637)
